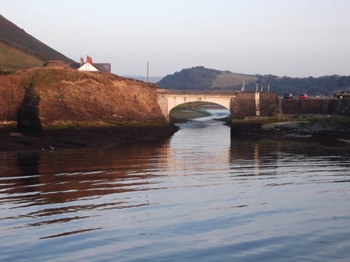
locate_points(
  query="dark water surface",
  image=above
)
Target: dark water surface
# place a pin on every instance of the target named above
(197, 197)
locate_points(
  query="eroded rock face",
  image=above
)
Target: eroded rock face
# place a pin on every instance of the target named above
(39, 98)
(11, 97)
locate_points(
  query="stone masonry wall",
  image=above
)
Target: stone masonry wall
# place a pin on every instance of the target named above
(316, 106)
(247, 104)
(243, 104)
(163, 104)
(254, 104)
(268, 104)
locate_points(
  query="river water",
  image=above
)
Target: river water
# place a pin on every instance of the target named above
(196, 197)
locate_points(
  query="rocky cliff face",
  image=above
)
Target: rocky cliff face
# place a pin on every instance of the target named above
(64, 108)
(45, 97)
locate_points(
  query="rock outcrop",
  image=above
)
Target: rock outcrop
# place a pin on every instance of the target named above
(72, 105)
(46, 96)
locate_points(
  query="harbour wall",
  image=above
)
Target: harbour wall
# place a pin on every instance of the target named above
(267, 104)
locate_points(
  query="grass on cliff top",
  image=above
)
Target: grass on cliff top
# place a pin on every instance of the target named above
(12, 125)
(51, 76)
(8, 124)
(58, 125)
(45, 77)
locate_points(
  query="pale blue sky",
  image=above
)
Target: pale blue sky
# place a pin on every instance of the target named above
(297, 38)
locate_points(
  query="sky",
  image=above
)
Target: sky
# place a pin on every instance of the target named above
(296, 38)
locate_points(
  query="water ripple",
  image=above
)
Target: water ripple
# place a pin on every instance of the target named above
(198, 196)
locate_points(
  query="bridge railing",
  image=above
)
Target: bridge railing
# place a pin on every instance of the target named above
(198, 92)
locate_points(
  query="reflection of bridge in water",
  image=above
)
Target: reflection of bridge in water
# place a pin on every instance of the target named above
(168, 99)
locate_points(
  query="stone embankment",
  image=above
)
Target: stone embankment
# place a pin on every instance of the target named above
(320, 106)
(265, 115)
(267, 104)
(333, 130)
(76, 109)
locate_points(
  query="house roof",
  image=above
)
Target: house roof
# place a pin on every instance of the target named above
(87, 66)
(102, 67)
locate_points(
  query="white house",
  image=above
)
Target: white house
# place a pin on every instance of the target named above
(88, 67)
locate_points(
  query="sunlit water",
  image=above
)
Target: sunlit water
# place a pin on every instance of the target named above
(197, 197)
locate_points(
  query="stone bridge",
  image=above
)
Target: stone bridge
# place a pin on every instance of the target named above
(247, 104)
(169, 99)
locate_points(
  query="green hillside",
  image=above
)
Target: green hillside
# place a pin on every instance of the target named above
(201, 78)
(314, 86)
(15, 59)
(19, 50)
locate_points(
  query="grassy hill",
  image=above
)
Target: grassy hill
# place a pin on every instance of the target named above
(20, 50)
(229, 80)
(201, 78)
(15, 59)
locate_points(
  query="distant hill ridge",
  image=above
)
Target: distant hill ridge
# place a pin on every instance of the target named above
(201, 78)
(19, 50)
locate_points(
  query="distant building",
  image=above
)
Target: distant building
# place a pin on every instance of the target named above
(56, 63)
(90, 66)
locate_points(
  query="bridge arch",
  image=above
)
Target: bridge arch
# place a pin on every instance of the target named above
(168, 101)
(176, 101)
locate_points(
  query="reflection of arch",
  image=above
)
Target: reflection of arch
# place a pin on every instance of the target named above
(199, 109)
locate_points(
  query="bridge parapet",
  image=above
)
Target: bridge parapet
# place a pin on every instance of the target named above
(198, 92)
(245, 104)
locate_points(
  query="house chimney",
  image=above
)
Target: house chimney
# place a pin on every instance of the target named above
(89, 59)
(81, 61)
